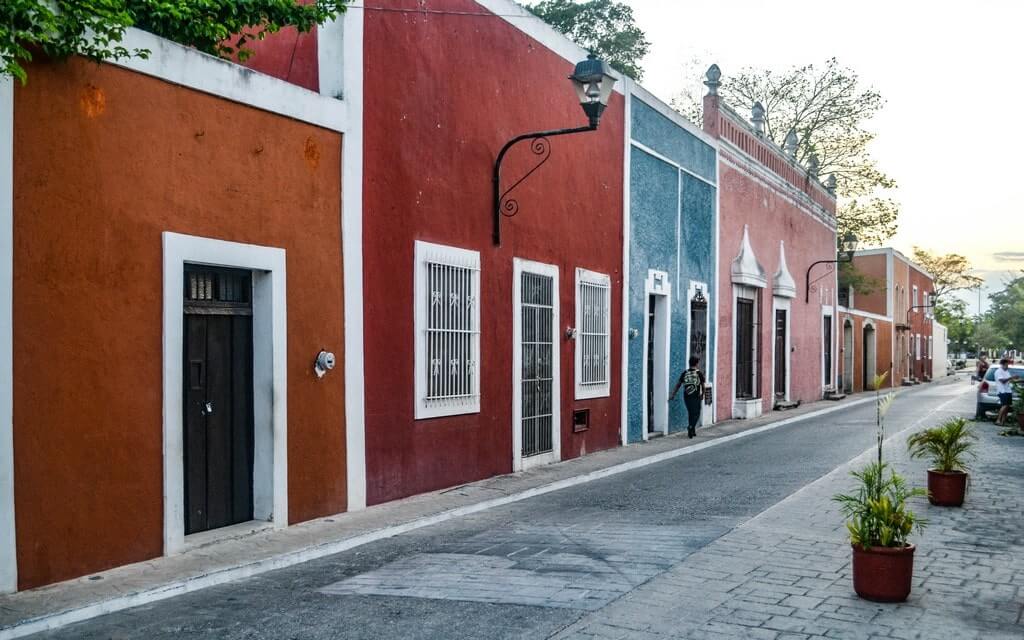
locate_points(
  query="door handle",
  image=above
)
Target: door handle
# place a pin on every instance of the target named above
(207, 409)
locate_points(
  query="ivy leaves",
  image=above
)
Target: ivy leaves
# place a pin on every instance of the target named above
(94, 28)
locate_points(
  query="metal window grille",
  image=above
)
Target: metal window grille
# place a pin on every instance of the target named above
(452, 341)
(593, 334)
(537, 344)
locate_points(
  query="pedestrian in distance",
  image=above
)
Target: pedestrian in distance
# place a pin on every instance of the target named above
(982, 368)
(1004, 389)
(692, 382)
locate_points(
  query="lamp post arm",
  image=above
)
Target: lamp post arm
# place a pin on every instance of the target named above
(807, 282)
(540, 147)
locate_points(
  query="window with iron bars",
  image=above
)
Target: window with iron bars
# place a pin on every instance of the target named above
(447, 290)
(593, 338)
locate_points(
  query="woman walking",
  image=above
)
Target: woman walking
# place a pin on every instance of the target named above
(692, 382)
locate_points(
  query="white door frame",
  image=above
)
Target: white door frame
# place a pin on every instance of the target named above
(707, 414)
(657, 284)
(519, 463)
(850, 358)
(870, 354)
(270, 385)
(8, 540)
(782, 304)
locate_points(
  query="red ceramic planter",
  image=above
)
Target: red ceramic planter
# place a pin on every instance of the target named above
(946, 489)
(883, 574)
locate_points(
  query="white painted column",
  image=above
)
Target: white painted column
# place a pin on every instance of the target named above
(8, 547)
(352, 243)
(627, 86)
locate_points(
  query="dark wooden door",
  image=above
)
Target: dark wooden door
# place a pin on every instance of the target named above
(651, 302)
(827, 339)
(744, 348)
(218, 407)
(780, 353)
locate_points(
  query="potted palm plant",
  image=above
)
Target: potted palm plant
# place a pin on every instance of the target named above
(879, 521)
(1018, 404)
(949, 446)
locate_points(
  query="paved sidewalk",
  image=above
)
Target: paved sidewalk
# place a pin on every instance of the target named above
(785, 574)
(249, 555)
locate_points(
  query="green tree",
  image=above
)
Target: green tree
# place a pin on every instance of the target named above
(952, 313)
(94, 28)
(950, 272)
(604, 27)
(1006, 313)
(828, 108)
(988, 336)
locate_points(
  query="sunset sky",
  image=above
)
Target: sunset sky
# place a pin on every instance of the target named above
(952, 130)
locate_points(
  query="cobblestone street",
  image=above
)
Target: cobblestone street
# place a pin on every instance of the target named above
(785, 574)
(740, 540)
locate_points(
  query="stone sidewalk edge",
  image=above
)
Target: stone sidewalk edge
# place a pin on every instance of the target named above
(92, 609)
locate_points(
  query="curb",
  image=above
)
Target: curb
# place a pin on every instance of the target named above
(58, 619)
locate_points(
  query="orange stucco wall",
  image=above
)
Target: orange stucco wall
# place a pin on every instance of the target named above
(883, 350)
(876, 267)
(104, 161)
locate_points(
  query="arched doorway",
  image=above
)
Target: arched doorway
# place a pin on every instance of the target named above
(870, 358)
(847, 357)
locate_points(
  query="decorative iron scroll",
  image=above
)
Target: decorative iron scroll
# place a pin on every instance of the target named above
(538, 147)
(812, 287)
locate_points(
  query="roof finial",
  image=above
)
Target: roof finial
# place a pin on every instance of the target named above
(813, 164)
(791, 143)
(713, 81)
(757, 117)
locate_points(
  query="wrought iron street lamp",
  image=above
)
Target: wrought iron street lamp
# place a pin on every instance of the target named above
(593, 82)
(845, 254)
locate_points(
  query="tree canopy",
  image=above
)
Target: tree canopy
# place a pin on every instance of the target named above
(950, 272)
(604, 27)
(1006, 313)
(94, 29)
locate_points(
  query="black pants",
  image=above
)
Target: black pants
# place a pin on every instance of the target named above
(693, 404)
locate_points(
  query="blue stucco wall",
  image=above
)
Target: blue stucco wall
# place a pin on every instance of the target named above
(672, 227)
(657, 132)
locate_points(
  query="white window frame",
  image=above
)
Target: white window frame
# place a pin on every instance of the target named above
(915, 299)
(602, 390)
(464, 258)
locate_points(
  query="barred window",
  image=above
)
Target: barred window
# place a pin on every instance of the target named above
(447, 283)
(593, 339)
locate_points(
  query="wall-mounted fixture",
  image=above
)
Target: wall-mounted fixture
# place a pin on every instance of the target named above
(845, 254)
(593, 82)
(633, 333)
(580, 420)
(324, 362)
(571, 333)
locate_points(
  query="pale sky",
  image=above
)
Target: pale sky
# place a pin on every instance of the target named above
(952, 130)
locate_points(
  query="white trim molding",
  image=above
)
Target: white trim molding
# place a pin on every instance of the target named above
(594, 280)
(187, 67)
(270, 381)
(780, 303)
(519, 463)
(352, 254)
(706, 415)
(657, 284)
(746, 270)
(627, 159)
(8, 541)
(448, 262)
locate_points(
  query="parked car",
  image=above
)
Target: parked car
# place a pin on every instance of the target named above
(987, 398)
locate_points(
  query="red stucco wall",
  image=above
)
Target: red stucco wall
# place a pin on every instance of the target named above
(442, 94)
(105, 160)
(920, 322)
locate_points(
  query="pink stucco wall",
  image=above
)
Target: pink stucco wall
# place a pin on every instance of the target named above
(771, 217)
(763, 189)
